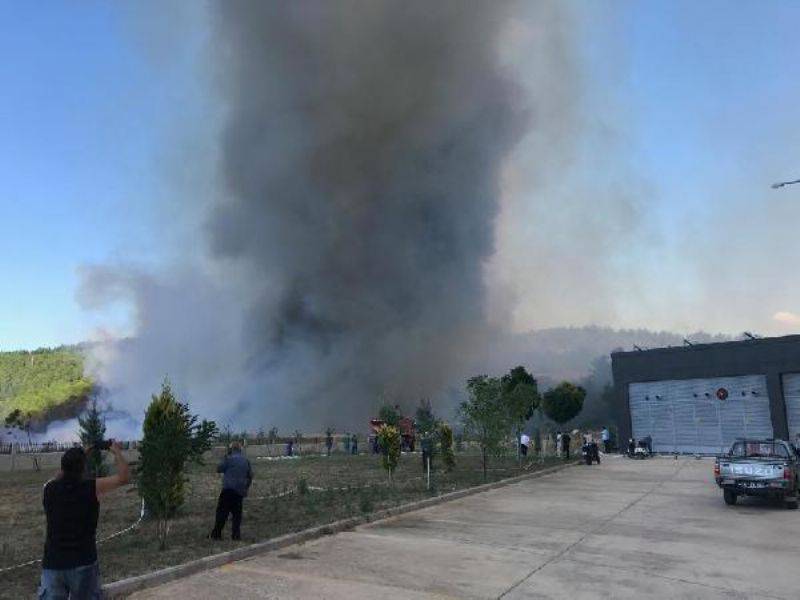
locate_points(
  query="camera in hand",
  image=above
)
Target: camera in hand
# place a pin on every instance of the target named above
(102, 445)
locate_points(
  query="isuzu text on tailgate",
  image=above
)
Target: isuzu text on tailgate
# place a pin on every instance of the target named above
(759, 468)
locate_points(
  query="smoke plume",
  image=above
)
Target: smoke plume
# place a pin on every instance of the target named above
(360, 161)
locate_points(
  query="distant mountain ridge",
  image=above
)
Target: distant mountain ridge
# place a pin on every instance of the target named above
(51, 383)
(560, 353)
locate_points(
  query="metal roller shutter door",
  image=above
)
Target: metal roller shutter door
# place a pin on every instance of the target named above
(686, 415)
(791, 395)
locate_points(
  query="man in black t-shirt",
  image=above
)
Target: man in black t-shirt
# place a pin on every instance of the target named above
(71, 504)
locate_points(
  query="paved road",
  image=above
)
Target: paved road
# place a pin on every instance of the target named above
(625, 529)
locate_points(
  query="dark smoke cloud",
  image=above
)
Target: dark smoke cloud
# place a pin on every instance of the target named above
(361, 156)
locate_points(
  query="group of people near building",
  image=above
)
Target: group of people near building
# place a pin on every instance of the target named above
(562, 442)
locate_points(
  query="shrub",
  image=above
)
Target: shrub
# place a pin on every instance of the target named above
(446, 446)
(365, 504)
(302, 485)
(389, 440)
(172, 437)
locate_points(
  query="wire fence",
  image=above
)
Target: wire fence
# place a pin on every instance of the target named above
(48, 447)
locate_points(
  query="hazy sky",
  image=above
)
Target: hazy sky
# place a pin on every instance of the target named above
(653, 211)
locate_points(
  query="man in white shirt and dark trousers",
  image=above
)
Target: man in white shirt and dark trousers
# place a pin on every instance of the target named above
(606, 437)
(524, 443)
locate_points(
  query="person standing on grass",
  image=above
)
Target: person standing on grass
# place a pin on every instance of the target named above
(354, 445)
(524, 442)
(236, 481)
(565, 440)
(71, 505)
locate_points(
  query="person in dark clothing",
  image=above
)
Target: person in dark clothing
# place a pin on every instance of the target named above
(427, 452)
(565, 440)
(236, 481)
(354, 445)
(71, 505)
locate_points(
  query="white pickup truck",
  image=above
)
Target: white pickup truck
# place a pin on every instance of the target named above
(759, 468)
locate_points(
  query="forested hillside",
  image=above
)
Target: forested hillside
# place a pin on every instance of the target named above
(42, 381)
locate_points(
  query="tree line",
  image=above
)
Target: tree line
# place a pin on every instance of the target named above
(498, 407)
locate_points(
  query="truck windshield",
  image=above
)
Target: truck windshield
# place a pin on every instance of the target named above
(759, 450)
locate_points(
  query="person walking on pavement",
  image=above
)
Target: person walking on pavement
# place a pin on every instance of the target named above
(236, 481)
(605, 436)
(558, 444)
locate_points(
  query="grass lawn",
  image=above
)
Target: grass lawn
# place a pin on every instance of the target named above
(335, 487)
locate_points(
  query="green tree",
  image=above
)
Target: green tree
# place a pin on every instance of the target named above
(446, 446)
(426, 423)
(564, 402)
(389, 440)
(17, 419)
(484, 416)
(172, 437)
(424, 417)
(521, 399)
(390, 414)
(92, 432)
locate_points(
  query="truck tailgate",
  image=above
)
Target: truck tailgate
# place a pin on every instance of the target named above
(752, 470)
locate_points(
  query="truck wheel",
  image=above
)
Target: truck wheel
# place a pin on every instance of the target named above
(730, 497)
(791, 504)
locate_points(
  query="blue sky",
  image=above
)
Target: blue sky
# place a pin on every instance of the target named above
(85, 113)
(702, 98)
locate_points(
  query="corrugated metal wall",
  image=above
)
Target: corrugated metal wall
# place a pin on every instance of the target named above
(791, 395)
(687, 416)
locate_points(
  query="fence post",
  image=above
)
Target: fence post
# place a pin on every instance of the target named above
(428, 460)
(13, 455)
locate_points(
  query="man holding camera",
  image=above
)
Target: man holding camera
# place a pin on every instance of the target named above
(71, 504)
(236, 480)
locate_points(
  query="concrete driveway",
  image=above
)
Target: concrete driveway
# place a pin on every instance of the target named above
(625, 529)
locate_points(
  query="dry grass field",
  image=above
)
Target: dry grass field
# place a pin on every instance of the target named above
(287, 495)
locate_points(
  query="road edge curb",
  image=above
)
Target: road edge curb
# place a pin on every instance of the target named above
(127, 586)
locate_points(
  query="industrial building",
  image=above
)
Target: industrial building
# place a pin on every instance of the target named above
(699, 398)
